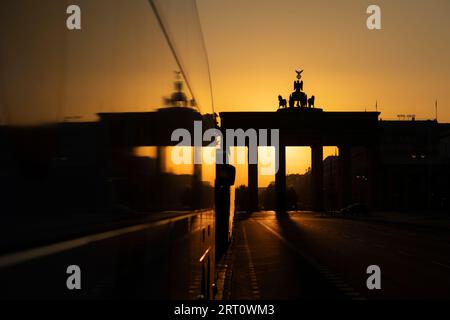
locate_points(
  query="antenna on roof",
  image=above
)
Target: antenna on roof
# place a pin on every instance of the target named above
(436, 109)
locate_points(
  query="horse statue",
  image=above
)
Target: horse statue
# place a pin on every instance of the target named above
(281, 102)
(291, 101)
(311, 101)
(301, 98)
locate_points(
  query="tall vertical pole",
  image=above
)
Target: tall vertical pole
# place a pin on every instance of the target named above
(436, 109)
(317, 176)
(253, 181)
(280, 180)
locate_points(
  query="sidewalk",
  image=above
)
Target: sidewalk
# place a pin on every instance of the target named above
(428, 220)
(434, 220)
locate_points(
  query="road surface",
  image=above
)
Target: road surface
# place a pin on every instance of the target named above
(306, 255)
(296, 256)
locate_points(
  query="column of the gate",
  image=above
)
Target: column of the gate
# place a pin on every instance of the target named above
(252, 179)
(280, 179)
(317, 176)
(345, 175)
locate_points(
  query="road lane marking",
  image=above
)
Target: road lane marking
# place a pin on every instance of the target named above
(441, 264)
(251, 269)
(204, 255)
(405, 253)
(322, 269)
(47, 250)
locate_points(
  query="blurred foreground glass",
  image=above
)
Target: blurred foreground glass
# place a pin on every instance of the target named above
(54, 83)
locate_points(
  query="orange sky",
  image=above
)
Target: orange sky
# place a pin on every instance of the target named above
(254, 47)
(298, 160)
(120, 61)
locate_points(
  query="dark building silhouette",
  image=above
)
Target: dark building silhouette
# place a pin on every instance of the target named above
(298, 193)
(413, 170)
(91, 167)
(331, 182)
(415, 166)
